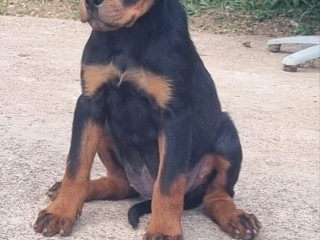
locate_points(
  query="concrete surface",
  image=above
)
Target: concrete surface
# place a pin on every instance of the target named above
(277, 114)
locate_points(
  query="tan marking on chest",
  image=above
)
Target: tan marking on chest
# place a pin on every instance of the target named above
(96, 75)
(156, 86)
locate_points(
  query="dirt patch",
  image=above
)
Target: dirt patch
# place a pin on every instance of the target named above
(223, 21)
(276, 113)
(40, 8)
(214, 20)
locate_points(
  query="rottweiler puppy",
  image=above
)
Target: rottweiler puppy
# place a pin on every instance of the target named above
(150, 110)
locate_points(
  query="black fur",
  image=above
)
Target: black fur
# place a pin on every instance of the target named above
(148, 96)
(191, 200)
(193, 123)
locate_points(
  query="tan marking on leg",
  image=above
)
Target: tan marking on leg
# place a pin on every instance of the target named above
(90, 141)
(62, 213)
(219, 206)
(166, 207)
(116, 185)
(74, 189)
(217, 202)
(95, 76)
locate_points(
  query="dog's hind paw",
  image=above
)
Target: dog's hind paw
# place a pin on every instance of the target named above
(242, 225)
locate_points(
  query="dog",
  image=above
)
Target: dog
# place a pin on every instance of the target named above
(150, 110)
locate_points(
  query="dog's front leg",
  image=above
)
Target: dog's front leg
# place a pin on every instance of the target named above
(169, 189)
(61, 214)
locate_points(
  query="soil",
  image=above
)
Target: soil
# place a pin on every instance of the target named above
(221, 21)
(40, 8)
(276, 113)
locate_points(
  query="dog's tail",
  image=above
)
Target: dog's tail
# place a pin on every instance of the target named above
(191, 200)
(138, 210)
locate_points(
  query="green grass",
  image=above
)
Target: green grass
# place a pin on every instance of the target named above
(305, 12)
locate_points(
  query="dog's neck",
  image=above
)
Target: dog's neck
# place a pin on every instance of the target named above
(163, 15)
(159, 33)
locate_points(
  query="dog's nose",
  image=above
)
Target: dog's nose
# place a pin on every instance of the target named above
(93, 3)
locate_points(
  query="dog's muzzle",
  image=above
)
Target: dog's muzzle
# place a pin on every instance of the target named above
(89, 12)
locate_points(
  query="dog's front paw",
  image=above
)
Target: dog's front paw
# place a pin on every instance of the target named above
(50, 224)
(164, 230)
(58, 217)
(158, 236)
(241, 225)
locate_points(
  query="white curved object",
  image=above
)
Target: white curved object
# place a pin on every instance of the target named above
(292, 61)
(297, 39)
(302, 56)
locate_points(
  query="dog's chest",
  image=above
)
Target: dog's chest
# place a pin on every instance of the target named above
(133, 120)
(117, 75)
(135, 99)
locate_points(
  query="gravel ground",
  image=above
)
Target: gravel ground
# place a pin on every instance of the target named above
(276, 112)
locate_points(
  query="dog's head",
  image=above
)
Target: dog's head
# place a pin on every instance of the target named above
(109, 15)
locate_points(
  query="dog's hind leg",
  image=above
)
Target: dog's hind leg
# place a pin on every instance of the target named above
(114, 186)
(218, 202)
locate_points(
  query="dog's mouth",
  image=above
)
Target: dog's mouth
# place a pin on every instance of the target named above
(99, 24)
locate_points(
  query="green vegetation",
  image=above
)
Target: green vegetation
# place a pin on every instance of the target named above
(305, 12)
